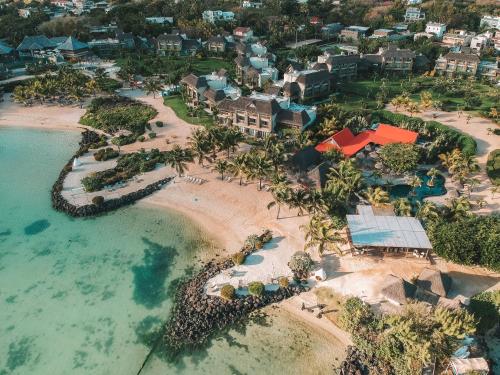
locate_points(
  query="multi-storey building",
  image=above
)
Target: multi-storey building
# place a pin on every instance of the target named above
(436, 28)
(453, 64)
(413, 14)
(354, 32)
(456, 38)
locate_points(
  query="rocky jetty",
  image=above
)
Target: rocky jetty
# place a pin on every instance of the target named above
(196, 316)
(359, 363)
(61, 204)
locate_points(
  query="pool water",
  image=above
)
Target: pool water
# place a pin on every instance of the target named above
(405, 191)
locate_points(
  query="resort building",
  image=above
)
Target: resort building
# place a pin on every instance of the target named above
(414, 14)
(490, 22)
(382, 33)
(332, 29)
(259, 115)
(481, 41)
(349, 144)
(214, 16)
(368, 231)
(489, 70)
(457, 38)
(341, 67)
(73, 49)
(436, 28)
(219, 44)
(37, 46)
(251, 4)
(453, 64)
(176, 44)
(392, 59)
(304, 85)
(210, 89)
(354, 32)
(254, 66)
(7, 53)
(160, 20)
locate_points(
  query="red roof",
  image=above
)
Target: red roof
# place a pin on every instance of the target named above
(349, 144)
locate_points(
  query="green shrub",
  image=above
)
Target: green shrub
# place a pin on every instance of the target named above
(152, 135)
(283, 282)
(148, 126)
(400, 157)
(493, 166)
(227, 292)
(471, 241)
(238, 258)
(253, 242)
(256, 288)
(496, 131)
(267, 236)
(141, 138)
(92, 183)
(159, 124)
(486, 309)
(106, 154)
(123, 140)
(98, 200)
(301, 264)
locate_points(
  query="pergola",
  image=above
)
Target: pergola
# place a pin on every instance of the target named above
(368, 231)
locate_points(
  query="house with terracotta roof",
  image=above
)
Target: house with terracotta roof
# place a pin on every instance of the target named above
(349, 144)
(243, 33)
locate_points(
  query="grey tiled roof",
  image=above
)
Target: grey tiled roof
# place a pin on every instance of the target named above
(36, 42)
(311, 78)
(267, 107)
(289, 117)
(469, 57)
(194, 81)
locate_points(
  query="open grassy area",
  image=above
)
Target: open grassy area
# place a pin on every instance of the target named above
(181, 110)
(493, 166)
(361, 94)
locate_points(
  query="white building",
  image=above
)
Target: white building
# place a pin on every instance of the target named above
(414, 2)
(481, 41)
(414, 15)
(160, 20)
(252, 4)
(214, 16)
(436, 28)
(490, 22)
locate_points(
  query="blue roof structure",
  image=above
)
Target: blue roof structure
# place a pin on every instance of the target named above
(72, 44)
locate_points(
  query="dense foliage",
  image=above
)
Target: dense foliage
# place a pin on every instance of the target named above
(400, 157)
(493, 166)
(111, 114)
(405, 343)
(486, 309)
(301, 264)
(106, 154)
(473, 240)
(256, 288)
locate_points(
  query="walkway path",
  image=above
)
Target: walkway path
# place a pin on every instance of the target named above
(477, 128)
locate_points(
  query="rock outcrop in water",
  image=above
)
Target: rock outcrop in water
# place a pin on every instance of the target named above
(196, 316)
(61, 204)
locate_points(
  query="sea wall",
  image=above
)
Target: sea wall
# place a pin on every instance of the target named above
(196, 315)
(61, 204)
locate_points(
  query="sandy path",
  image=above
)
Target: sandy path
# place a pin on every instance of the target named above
(477, 128)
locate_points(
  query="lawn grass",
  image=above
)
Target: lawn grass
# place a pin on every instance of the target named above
(202, 67)
(181, 110)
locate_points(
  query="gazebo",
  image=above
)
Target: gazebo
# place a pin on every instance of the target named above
(73, 49)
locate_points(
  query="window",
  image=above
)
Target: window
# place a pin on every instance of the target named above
(252, 121)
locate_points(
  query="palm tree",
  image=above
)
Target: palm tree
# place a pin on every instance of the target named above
(402, 207)
(280, 190)
(200, 144)
(152, 86)
(376, 197)
(299, 199)
(427, 211)
(91, 86)
(221, 166)
(276, 155)
(415, 182)
(432, 173)
(320, 233)
(238, 166)
(178, 158)
(345, 180)
(230, 138)
(459, 207)
(316, 203)
(259, 167)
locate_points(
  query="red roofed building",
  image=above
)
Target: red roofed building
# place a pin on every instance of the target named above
(350, 144)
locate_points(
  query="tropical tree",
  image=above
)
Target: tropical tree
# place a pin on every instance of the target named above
(91, 86)
(178, 158)
(402, 207)
(229, 139)
(427, 211)
(221, 166)
(432, 173)
(415, 182)
(344, 181)
(259, 168)
(281, 192)
(238, 166)
(376, 196)
(299, 199)
(459, 207)
(200, 145)
(152, 85)
(320, 233)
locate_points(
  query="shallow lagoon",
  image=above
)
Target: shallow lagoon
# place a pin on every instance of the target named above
(79, 296)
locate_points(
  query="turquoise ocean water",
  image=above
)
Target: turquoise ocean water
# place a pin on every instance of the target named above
(78, 296)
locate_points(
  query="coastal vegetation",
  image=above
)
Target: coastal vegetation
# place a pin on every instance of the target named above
(300, 264)
(406, 343)
(112, 114)
(486, 309)
(66, 86)
(493, 167)
(400, 157)
(105, 154)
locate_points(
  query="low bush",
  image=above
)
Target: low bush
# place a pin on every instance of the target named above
(486, 309)
(253, 242)
(123, 140)
(256, 288)
(141, 138)
(301, 264)
(152, 135)
(283, 282)
(98, 200)
(227, 292)
(493, 166)
(159, 124)
(106, 154)
(102, 142)
(267, 236)
(238, 258)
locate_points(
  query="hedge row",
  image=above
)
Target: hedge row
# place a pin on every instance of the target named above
(464, 142)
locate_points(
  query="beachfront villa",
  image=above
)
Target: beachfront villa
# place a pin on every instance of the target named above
(349, 144)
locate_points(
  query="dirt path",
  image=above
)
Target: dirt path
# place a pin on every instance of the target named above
(477, 128)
